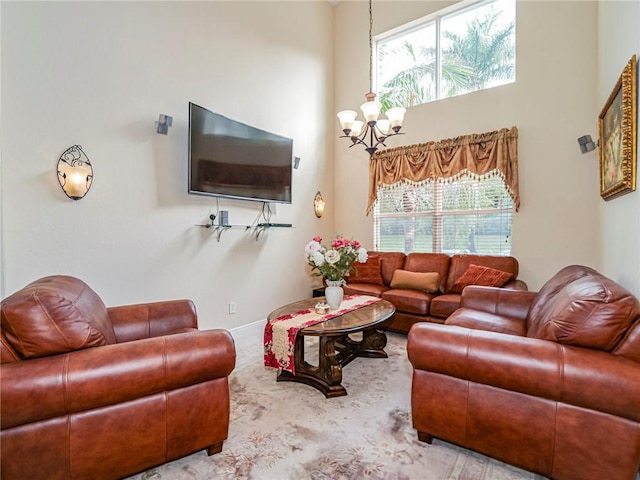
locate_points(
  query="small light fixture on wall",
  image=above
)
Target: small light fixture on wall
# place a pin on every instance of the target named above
(75, 173)
(318, 204)
(163, 123)
(587, 144)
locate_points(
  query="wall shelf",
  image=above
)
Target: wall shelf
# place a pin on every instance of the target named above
(257, 230)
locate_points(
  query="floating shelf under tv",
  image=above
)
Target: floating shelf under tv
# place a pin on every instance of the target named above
(257, 230)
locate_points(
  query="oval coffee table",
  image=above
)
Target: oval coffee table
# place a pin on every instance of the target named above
(336, 348)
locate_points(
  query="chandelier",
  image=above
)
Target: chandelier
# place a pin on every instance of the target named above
(373, 131)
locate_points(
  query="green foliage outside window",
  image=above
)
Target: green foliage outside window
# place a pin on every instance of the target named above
(477, 51)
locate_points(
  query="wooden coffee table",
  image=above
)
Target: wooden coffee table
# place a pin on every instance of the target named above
(336, 348)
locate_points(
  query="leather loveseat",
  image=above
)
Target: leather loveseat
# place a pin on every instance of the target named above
(90, 392)
(427, 286)
(546, 381)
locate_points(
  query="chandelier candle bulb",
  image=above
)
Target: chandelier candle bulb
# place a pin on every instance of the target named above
(370, 110)
(383, 126)
(396, 117)
(356, 128)
(347, 117)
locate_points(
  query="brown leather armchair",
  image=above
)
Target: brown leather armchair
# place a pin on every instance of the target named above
(102, 393)
(546, 381)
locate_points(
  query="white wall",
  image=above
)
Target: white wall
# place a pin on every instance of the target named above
(552, 103)
(618, 40)
(98, 74)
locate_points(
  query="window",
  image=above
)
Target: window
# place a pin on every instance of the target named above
(462, 216)
(448, 54)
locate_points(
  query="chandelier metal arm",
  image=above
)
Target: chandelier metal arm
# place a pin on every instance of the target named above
(375, 137)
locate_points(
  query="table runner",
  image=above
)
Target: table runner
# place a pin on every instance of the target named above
(280, 333)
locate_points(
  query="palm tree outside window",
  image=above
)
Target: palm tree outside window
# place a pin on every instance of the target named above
(449, 54)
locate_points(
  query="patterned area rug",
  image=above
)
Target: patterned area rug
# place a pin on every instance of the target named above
(288, 430)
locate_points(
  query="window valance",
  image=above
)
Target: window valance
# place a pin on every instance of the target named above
(481, 154)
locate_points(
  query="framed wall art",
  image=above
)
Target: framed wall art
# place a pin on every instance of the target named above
(617, 127)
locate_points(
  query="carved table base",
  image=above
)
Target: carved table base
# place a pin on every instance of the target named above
(334, 353)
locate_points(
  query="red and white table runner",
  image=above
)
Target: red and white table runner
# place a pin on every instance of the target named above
(280, 333)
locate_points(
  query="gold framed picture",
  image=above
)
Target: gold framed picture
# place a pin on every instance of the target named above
(617, 130)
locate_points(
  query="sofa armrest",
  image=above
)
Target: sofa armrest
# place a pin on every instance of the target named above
(498, 301)
(145, 320)
(577, 376)
(82, 380)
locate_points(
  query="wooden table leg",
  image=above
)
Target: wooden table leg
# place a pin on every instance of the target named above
(371, 346)
(326, 377)
(334, 353)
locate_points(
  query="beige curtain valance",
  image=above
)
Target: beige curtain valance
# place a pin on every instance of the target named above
(481, 154)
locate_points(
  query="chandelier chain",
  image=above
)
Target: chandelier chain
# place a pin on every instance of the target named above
(370, 48)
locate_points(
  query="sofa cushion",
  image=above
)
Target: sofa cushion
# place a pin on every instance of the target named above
(460, 262)
(389, 263)
(481, 275)
(409, 301)
(54, 315)
(579, 306)
(423, 281)
(364, 289)
(444, 305)
(429, 262)
(368, 272)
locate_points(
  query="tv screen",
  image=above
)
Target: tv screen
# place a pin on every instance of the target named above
(231, 159)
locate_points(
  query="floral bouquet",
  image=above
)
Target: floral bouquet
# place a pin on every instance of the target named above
(334, 262)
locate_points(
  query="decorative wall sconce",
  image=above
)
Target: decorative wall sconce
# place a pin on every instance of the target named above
(75, 173)
(318, 204)
(163, 124)
(587, 144)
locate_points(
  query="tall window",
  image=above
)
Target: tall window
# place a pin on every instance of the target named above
(448, 54)
(462, 216)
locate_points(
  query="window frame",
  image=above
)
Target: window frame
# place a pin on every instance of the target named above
(420, 23)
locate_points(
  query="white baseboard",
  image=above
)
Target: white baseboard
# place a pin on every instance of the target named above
(250, 334)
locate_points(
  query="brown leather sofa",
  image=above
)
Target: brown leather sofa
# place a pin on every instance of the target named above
(102, 393)
(546, 381)
(413, 303)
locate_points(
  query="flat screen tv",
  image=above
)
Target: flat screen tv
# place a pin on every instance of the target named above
(231, 159)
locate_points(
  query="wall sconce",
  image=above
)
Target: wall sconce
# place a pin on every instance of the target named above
(318, 204)
(163, 124)
(75, 173)
(587, 144)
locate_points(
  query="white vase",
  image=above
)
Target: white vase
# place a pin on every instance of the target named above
(334, 293)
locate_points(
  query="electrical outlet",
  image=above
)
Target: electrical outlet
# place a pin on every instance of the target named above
(232, 308)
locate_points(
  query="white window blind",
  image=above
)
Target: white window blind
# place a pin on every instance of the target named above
(466, 215)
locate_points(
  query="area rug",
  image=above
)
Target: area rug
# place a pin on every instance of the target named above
(291, 431)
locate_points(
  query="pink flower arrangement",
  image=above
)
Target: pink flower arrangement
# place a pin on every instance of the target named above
(334, 262)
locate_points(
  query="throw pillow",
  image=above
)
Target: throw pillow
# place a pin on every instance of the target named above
(368, 272)
(423, 281)
(480, 275)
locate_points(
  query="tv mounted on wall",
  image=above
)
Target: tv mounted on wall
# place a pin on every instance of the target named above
(230, 159)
